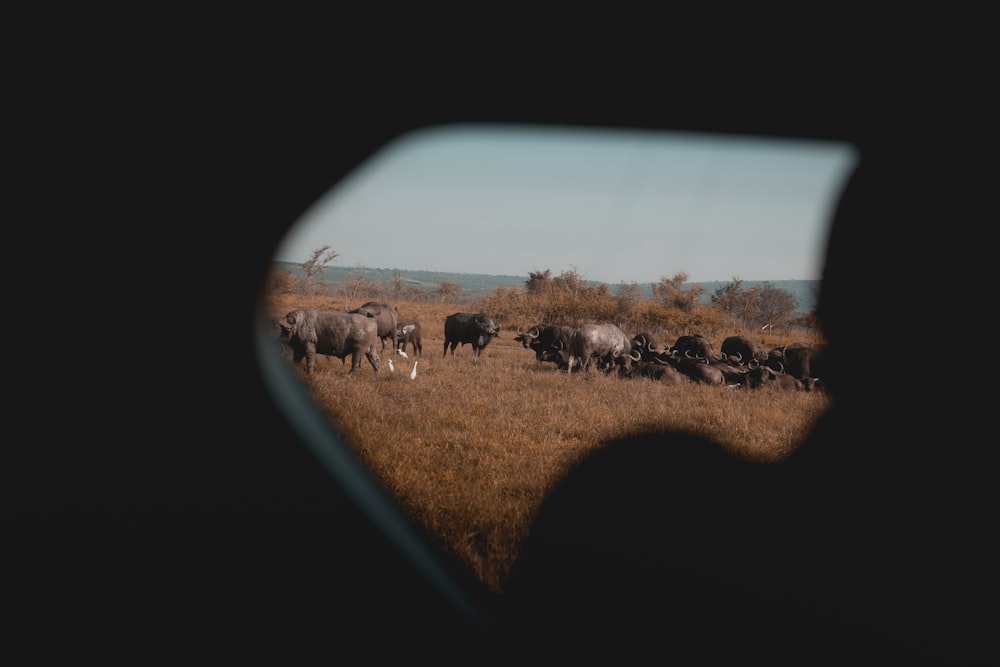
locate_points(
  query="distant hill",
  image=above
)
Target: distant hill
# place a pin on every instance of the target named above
(806, 292)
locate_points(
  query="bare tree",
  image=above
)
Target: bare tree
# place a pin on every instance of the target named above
(315, 265)
(539, 282)
(775, 306)
(671, 293)
(740, 304)
(449, 291)
(357, 284)
(628, 296)
(283, 283)
(570, 282)
(397, 284)
(762, 305)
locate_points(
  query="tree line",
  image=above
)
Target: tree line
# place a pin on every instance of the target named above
(568, 298)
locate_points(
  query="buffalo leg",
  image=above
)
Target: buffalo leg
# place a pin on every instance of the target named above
(373, 359)
(355, 362)
(310, 357)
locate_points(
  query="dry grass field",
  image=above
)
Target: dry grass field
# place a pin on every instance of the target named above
(471, 446)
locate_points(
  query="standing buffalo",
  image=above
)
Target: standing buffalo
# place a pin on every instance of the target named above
(804, 361)
(308, 332)
(550, 342)
(799, 360)
(409, 332)
(605, 342)
(386, 317)
(477, 329)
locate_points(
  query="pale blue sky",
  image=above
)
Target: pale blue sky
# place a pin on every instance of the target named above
(615, 205)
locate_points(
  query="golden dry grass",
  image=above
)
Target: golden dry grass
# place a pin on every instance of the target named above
(471, 446)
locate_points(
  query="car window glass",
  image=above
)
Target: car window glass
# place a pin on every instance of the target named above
(675, 235)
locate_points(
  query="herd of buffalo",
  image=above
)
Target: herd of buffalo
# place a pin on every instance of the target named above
(740, 362)
(306, 332)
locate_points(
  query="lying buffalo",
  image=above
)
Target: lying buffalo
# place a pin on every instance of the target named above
(476, 329)
(632, 365)
(765, 376)
(741, 350)
(308, 332)
(645, 344)
(693, 346)
(550, 342)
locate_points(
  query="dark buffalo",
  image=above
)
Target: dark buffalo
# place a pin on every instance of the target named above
(308, 332)
(550, 342)
(693, 346)
(740, 350)
(386, 318)
(814, 385)
(734, 373)
(632, 365)
(775, 358)
(765, 376)
(476, 329)
(409, 332)
(804, 361)
(698, 369)
(646, 345)
(603, 342)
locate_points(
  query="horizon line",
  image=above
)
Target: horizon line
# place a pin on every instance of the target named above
(525, 276)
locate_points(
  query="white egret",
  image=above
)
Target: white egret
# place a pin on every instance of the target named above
(413, 373)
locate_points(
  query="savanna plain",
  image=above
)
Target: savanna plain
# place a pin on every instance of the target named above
(470, 447)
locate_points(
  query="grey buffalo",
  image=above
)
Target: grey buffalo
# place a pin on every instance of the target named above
(477, 329)
(386, 318)
(603, 342)
(308, 332)
(409, 332)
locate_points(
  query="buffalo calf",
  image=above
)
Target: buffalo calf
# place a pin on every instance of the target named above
(409, 332)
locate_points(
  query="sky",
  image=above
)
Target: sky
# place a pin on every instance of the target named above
(615, 206)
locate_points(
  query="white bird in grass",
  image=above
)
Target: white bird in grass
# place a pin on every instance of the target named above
(413, 373)
(391, 369)
(402, 354)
